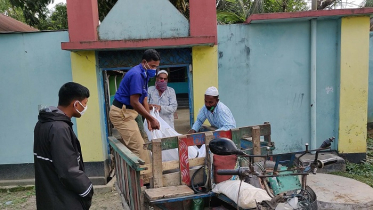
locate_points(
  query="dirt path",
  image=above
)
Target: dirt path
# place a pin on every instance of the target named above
(182, 125)
(26, 200)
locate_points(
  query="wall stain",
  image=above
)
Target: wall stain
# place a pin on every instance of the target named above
(247, 50)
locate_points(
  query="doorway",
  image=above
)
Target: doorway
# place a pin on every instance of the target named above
(177, 61)
(179, 79)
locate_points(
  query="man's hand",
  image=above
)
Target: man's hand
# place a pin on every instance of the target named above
(154, 124)
(157, 107)
(149, 125)
(191, 131)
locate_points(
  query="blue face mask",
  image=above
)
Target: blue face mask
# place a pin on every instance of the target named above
(151, 72)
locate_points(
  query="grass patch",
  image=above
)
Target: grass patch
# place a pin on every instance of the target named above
(363, 179)
(16, 196)
(17, 189)
(362, 172)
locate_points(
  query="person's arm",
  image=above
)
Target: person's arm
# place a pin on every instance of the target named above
(134, 100)
(171, 108)
(66, 162)
(226, 120)
(200, 120)
(136, 90)
(146, 105)
(149, 99)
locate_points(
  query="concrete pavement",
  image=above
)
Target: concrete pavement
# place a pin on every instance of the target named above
(336, 192)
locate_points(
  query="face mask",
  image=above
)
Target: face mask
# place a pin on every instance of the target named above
(161, 86)
(210, 108)
(151, 72)
(82, 112)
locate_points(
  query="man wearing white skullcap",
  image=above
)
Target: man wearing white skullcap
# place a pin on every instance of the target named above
(163, 98)
(218, 114)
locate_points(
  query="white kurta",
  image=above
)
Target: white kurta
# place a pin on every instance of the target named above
(167, 101)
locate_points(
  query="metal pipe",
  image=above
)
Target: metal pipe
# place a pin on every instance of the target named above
(313, 83)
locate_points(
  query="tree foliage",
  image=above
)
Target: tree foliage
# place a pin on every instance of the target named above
(34, 11)
(57, 20)
(14, 12)
(237, 11)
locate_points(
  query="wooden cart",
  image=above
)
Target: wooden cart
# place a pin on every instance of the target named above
(171, 181)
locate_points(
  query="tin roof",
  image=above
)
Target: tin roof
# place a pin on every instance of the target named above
(8, 24)
(307, 15)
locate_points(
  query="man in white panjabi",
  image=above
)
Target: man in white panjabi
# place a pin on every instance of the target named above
(218, 114)
(163, 98)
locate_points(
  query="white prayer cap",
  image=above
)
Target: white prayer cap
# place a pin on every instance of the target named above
(162, 72)
(212, 91)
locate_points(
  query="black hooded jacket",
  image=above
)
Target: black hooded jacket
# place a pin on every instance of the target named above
(60, 181)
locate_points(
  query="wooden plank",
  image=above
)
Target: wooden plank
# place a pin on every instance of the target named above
(187, 197)
(184, 160)
(132, 159)
(208, 163)
(170, 165)
(223, 134)
(168, 192)
(195, 139)
(132, 199)
(256, 142)
(264, 130)
(267, 138)
(136, 188)
(157, 164)
(167, 143)
(173, 179)
(236, 137)
(142, 198)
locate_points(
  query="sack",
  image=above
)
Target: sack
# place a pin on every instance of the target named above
(249, 195)
(166, 130)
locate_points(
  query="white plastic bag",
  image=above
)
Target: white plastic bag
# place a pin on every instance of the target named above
(166, 130)
(249, 195)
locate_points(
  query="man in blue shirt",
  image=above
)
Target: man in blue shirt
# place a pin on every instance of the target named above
(219, 115)
(131, 102)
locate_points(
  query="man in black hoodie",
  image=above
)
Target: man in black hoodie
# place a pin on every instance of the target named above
(60, 181)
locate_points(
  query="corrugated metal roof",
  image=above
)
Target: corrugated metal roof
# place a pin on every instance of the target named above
(8, 24)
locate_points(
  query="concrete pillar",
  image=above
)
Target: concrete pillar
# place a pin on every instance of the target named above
(83, 20)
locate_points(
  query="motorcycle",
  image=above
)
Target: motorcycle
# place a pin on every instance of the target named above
(276, 174)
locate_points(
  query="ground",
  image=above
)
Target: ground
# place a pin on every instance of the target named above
(182, 125)
(24, 197)
(25, 200)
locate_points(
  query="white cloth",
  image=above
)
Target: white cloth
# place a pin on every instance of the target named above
(212, 91)
(167, 101)
(166, 131)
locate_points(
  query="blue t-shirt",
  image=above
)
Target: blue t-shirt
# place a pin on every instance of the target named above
(134, 82)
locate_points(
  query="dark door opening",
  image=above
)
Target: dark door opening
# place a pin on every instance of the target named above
(179, 80)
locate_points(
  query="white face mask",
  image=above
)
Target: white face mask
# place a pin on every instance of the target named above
(82, 112)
